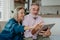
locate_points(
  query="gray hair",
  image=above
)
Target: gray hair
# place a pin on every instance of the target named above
(15, 15)
(35, 4)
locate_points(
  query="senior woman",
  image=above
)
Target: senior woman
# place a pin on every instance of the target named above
(14, 29)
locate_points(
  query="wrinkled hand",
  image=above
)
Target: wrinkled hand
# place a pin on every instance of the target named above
(41, 32)
(36, 28)
(39, 26)
(45, 33)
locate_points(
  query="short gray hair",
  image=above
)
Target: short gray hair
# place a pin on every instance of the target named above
(15, 15)
(35, 4)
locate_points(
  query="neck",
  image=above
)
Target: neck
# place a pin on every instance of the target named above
(19, 22)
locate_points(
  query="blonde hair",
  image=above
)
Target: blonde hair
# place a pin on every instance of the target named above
(15, 15)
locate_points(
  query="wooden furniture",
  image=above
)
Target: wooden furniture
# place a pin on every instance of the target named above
(20, 1)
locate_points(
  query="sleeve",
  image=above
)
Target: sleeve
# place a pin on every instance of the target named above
(18, 28)
(21, 28)
(7, 31)
(9, 25)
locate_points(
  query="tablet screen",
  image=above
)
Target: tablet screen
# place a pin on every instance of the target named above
(45, 27)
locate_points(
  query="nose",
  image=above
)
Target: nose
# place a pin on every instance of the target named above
(23, 14)
(36, 11)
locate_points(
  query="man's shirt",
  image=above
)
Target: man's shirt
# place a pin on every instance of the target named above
(31, 20)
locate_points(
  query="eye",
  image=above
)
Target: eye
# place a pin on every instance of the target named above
(34, 9)
(22, 12)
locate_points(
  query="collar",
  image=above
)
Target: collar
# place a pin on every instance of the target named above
(16, 21)
(33, 15)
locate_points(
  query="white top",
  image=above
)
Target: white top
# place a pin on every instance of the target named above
(30, 22)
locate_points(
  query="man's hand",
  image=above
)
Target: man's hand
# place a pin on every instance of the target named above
(39, 26)
(36, 28)
(45, 33)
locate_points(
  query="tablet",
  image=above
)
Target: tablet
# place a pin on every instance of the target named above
(46, 26)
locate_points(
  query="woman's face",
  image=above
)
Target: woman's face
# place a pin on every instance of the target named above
(21, 14)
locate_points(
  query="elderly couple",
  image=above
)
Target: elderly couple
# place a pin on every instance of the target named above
(19, 27)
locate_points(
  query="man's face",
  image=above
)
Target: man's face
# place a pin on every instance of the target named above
(34, 9)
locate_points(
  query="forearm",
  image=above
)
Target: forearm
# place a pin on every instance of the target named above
(27, 28)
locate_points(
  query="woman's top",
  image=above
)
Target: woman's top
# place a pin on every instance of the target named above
(12, 31)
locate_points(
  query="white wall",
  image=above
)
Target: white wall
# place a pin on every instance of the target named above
(56, 29)
(7, 7)
(50, 2)
(6, 11)
(50, 9)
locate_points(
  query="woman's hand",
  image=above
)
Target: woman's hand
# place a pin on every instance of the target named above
(27, 28)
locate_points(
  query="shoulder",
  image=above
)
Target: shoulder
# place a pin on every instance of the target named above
(10, 20)
(26, 17)
(9, 23)
(40, 17)
(26, 20)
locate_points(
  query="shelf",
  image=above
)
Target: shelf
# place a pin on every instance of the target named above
(51, 16)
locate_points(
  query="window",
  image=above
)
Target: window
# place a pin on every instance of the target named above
(1, 8)
(0, 14)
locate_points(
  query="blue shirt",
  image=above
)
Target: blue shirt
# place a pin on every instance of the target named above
(12, 31)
